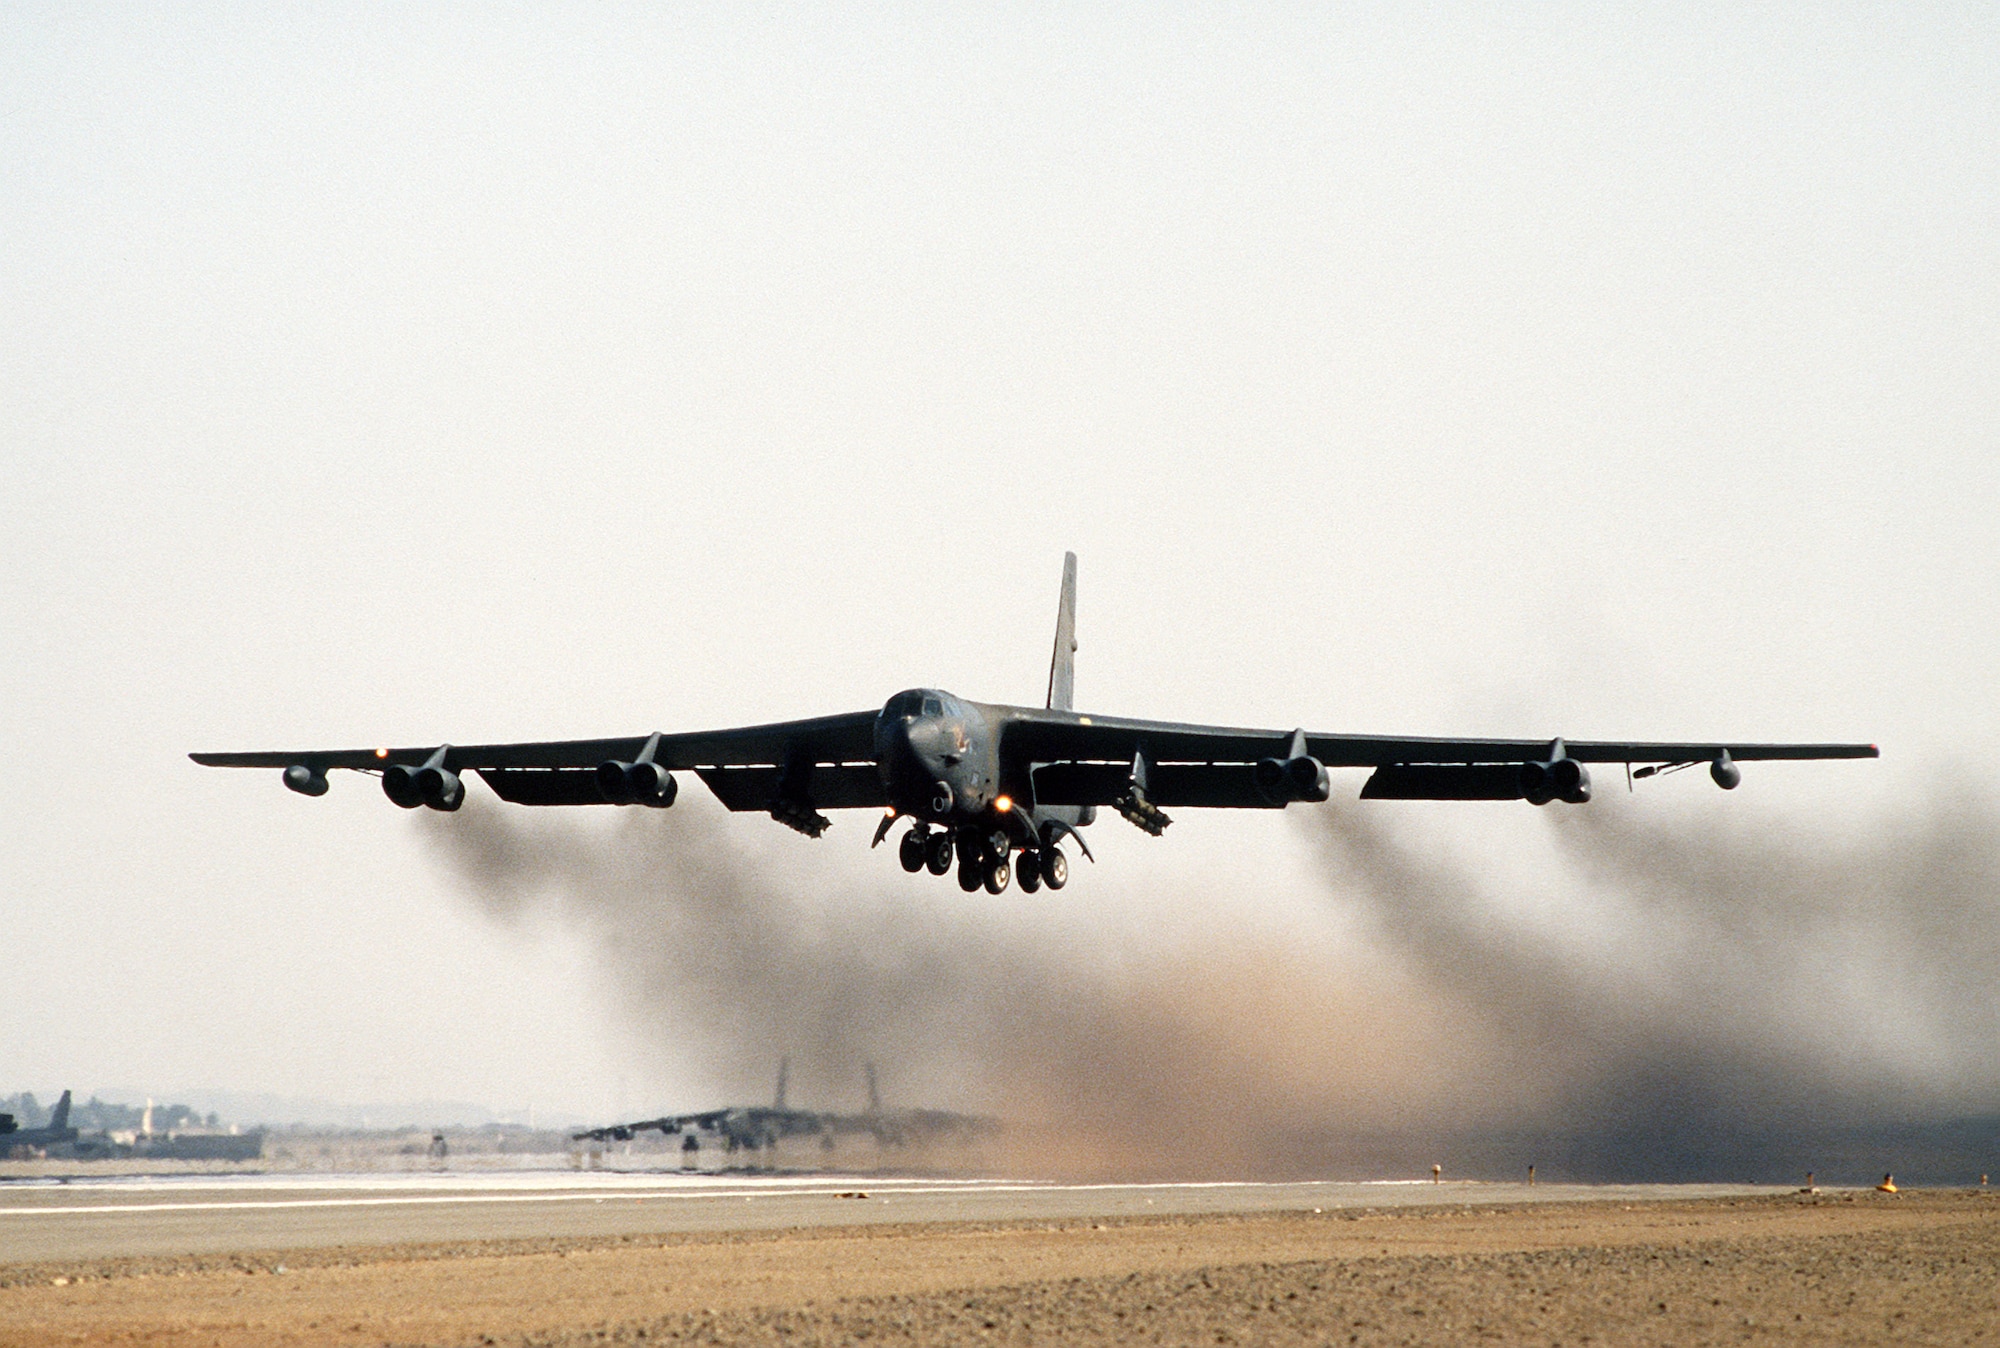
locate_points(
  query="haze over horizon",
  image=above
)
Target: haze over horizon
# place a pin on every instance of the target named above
(388, 375)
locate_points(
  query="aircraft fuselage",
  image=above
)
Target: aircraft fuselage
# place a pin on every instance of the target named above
(940, 757)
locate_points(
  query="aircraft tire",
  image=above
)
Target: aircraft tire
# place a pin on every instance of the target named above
(998, 873)
(970, 873)
(1028, 872)
(911, 852)
(1055, 868)
(937, 853)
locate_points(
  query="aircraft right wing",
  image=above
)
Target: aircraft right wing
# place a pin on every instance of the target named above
(825, 763)
(826, 739)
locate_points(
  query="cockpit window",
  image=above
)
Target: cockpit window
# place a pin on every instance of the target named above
(905, 704)
(932, 707)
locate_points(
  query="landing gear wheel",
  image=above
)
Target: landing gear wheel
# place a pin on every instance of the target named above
(1028, 871)
(970, 873)
(911, 851)
(998, 873)
(937, 853)
(1055, 868)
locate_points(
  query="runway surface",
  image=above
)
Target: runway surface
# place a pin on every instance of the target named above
(111, 1218)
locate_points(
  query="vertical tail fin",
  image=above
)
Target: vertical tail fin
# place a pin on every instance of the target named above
(1062, 670)
(874, 1095)
(59, 1119)
(784, 1070)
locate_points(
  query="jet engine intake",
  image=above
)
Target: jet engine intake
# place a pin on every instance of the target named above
(440, 788)
(1307, 776)
(399, 784)
(653, 785)
(1272, 784)
(307, 781)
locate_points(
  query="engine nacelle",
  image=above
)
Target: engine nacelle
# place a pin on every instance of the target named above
(399, 784)
(440, 788)
(1283, 780)
(636, 784)
(1572, 781)
(305, 780)
(1565, 779)
(1269, 776)
(614, 782)
(1726, 774)
(1307, 777)
(653, 785)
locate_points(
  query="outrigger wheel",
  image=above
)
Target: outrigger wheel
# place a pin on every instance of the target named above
(937, 853)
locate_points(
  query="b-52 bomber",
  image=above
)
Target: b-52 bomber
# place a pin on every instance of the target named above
(58, 1133)
(1001, 788)
(749, 1127)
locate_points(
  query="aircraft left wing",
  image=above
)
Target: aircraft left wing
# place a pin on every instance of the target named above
(823, 763)
(1096, 760)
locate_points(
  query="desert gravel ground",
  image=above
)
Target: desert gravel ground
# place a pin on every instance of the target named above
(1858, 1268)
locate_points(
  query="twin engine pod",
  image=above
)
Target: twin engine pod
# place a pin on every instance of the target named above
(642, 783)
(1565, 779)
(433, 784)
(1283, 780)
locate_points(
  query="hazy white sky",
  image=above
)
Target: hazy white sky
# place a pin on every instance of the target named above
(419, 373)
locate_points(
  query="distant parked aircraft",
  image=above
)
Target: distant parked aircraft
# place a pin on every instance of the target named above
(753, 1127)
(57, 1134)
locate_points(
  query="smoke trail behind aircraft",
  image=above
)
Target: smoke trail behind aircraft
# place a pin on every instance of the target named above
(1223, 1053)
(1733, 995)
(1732, 1001)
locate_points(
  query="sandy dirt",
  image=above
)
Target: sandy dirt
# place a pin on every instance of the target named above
(1831, 1268)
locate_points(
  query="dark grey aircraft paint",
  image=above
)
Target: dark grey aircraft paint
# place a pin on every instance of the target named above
(1000, 789)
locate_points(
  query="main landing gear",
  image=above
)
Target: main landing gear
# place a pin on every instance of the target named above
(922, 849)
(1051, 865)
(983, 863)
(1042, 866)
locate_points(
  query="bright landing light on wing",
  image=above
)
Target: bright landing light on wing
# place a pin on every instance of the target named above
(381, 753)
(1003, 803)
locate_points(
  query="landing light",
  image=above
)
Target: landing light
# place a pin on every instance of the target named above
(891, 812)
(381, 753)
(1003, 803)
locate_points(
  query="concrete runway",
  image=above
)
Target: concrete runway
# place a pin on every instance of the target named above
(114, 1218)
